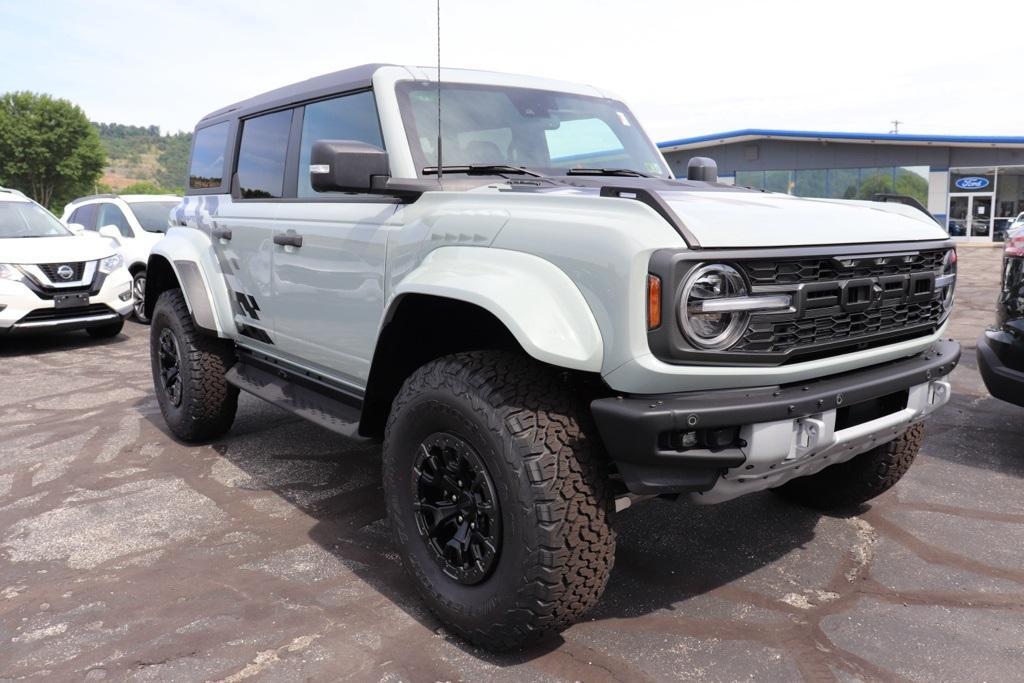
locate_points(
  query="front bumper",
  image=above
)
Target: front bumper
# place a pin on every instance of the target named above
(22, 311)
(1001, 361)
(783, 431)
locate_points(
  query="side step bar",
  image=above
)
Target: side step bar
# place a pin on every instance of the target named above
(313, 404)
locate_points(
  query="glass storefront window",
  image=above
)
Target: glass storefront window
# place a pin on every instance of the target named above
(842, 183)
(874, 181)
(753, 179)
(1009, 199)
(912, 181)
(809, 183)
(778, 181)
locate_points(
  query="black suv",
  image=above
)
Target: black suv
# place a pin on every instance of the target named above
(1001, 349)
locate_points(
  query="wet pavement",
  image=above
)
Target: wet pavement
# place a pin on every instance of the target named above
(265, 556)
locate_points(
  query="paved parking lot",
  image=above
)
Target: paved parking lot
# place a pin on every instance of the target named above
(265, 556)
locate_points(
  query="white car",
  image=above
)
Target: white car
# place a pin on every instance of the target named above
(136, 222)
(51, 279)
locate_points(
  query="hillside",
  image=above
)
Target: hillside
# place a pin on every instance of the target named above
(142, 154)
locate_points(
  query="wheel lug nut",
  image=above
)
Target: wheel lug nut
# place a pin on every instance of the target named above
(454, 498)
(460, 518)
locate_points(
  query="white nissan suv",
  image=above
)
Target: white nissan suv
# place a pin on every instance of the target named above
(135, 221)
(51, 279)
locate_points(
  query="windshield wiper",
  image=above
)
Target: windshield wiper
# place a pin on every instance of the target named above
(483, 169)
(622, 172)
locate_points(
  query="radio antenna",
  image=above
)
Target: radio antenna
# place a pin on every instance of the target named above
(440, 164)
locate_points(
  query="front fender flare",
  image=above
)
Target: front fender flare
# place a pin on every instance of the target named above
(538, 303)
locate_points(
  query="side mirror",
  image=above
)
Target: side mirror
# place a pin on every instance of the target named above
(76, 228)
(347, 166)
(112, 232)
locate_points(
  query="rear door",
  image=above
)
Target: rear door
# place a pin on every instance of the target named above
(245, 224)
(329, 292)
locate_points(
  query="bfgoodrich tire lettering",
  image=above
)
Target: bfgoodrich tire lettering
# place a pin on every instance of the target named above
(863, 477)
(535, 438)
(188, 368)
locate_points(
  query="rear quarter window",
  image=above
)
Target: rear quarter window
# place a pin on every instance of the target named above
(206, 168)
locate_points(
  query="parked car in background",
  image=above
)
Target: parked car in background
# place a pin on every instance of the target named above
(138, 220)
(1001, 349)
(52, 279)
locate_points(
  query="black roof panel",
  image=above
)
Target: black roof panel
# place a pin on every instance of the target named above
(354, 78)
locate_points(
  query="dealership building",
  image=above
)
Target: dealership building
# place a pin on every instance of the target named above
(972, 185)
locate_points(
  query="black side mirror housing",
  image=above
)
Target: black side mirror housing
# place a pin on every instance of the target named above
(347, 166)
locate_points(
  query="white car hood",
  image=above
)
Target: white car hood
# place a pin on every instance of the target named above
(69, 249)
(756, 219)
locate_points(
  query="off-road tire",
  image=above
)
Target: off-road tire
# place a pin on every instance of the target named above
(106, 331)
(139, 287)
(847, 484)
(208, 403)
(536, 439)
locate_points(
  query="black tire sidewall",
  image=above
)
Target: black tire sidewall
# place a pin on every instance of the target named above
(140, 318)
(474, 606)
(165, 317)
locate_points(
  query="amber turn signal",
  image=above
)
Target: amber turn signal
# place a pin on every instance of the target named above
(653, 302)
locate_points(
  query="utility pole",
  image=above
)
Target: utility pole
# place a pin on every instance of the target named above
(895, 127)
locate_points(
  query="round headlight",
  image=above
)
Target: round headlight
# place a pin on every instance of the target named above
(703, 326)
(949, 273)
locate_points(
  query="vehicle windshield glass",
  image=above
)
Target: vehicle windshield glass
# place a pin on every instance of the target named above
(550, 132)
(153, 216)
(25, 219)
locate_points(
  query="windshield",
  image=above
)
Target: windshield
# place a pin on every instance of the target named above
(153, 216)
(546, 131)
(26, 219)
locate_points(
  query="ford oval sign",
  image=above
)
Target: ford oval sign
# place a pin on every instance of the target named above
(972, 183)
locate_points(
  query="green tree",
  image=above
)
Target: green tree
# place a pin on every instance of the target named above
(48, 148)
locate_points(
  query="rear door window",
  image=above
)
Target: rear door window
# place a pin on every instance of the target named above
(261, 155)
(351, 117)
(206, 169)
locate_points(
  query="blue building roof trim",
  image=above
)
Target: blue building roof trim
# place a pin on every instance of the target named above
(853, 137)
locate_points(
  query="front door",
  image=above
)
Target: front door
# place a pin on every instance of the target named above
(329, 291)
(970, 217)
(329, 252)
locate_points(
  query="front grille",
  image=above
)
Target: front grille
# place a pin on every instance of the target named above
(50, 269)
(57, 314)
(796, 271)
(765, 336)
(820, 321)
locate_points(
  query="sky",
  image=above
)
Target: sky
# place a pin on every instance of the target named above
(684, 68)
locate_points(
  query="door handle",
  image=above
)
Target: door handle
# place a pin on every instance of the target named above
(288, 239)
(221, 233)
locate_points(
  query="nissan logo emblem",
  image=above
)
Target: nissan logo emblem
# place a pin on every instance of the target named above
(66, 272)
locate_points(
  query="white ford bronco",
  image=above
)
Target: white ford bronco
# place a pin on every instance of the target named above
(540, 322)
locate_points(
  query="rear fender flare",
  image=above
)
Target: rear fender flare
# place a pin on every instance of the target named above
(190, 256)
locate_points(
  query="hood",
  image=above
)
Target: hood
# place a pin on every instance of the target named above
(761, 219)
(723, 216)
(69, 249)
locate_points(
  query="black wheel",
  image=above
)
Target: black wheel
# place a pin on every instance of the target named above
(498, 497)
(139, 297)
(848, 484)
(196, 400)
(106, 331)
